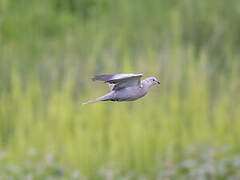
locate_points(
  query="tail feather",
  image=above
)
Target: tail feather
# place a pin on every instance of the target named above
(93, 101)
(103, 98)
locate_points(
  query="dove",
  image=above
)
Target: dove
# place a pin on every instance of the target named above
(124, 87)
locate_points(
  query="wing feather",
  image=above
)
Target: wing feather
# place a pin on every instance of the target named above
(114, 77)
(103, 77)
(118, 81)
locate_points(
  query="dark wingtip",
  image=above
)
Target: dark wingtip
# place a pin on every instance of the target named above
(94, 78)
(103, 77)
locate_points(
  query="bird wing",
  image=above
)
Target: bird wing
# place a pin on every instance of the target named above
(118, 81)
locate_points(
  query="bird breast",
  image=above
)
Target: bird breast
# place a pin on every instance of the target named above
(130, 93)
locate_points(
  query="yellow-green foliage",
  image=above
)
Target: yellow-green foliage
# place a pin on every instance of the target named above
(49, 50)
(125, 136)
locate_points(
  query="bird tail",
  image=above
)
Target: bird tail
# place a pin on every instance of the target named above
(93, 101)
(103, 98)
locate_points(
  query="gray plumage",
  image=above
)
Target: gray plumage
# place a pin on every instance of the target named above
(124, 87)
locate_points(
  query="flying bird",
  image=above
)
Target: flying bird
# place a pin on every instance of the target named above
(124, 87)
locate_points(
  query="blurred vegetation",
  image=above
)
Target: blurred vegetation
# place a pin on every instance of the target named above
(49, 50)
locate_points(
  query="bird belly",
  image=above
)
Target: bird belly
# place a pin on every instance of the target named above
(128, 94)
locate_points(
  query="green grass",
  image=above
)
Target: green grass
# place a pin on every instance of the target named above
(131, 136)
(49, 50)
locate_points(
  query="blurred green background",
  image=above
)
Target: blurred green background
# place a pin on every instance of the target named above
(186, 128)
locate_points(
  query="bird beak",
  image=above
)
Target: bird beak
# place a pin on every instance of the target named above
(158, 82)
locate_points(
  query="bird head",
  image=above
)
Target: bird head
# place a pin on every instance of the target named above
(151, 81)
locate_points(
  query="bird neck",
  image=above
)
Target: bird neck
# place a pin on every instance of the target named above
(145, 85)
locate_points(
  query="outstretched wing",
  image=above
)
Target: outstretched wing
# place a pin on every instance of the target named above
(118, 81)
